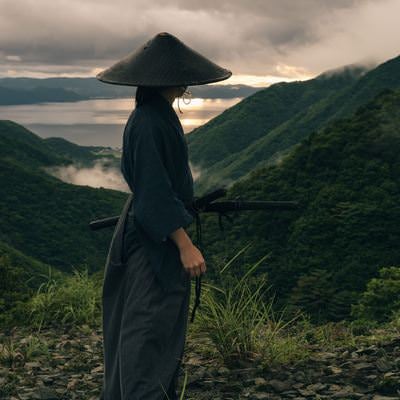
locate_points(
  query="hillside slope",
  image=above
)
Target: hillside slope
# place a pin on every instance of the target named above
(240, 125)
(346, 180)
(277, 141)
(44, 217)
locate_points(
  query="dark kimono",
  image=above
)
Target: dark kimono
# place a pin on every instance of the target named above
(146, 290)
(156, 167)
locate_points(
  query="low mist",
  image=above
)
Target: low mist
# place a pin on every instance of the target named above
(195, 171)
(99, 175)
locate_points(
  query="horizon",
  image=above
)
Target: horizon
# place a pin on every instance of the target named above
(252, 81)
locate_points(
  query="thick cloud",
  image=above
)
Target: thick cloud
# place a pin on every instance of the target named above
(277, 37)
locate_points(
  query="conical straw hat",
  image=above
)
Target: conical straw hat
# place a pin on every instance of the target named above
(164, 60)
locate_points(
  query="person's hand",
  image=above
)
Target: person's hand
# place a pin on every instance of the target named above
(192, 260)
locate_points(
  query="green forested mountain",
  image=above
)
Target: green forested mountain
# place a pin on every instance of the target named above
(9, 96)
(346, 178)
(30, 271)
(240, 125)
(20, 276)
(19, 144)
(27, 272)
(263, 127)
(43, 217)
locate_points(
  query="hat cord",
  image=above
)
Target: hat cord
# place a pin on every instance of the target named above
(187, 94)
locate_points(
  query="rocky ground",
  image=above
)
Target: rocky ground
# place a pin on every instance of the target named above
(68, 365)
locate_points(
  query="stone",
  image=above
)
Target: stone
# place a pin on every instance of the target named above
(32, 365)
(383, 365)
(316, 387)
(334, 388)
(343, 394)
(47, 379)
(326, 356)
(279, 386)
(97, 369)
(260, 396)
(46, 394)
(28, 395)
(346, 364)
(331, 369)
(305, 392)
(362, 366)
(260, 381)
(299, 376)
(223, 370)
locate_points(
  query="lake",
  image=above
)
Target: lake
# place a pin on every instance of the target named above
(100, 122)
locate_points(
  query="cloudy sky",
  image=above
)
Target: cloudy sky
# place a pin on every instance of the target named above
(260, 41)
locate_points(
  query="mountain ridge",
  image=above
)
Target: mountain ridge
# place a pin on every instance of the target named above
(276, 141)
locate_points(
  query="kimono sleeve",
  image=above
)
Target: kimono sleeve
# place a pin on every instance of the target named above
(156, 206)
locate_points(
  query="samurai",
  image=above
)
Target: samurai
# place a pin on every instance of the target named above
(151, 258)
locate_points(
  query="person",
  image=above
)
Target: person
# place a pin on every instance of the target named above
(151, 259)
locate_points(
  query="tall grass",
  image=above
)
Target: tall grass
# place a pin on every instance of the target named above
(240, 321)
(76, 300)
(15, 352)
(181, 397)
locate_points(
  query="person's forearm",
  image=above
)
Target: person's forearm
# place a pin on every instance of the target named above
(181, 238)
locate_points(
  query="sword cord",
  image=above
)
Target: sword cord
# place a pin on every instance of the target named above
(200, 246)
(198, 278)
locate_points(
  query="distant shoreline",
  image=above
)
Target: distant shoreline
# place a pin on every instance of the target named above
(65, 101)
(24, 91)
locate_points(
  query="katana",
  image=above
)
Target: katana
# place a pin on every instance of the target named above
(206, 203)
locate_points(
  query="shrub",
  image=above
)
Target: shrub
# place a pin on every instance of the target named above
(381, 299)
(395, 322)
(13, 289)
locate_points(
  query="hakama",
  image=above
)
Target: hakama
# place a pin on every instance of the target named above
(144, 327)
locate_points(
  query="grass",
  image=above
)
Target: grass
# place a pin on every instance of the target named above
(73, 301)
(328, 335)
(236, 315)
(34, 346)
(181, 397)
(14, 354)
(10, 354)
(242, 324)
